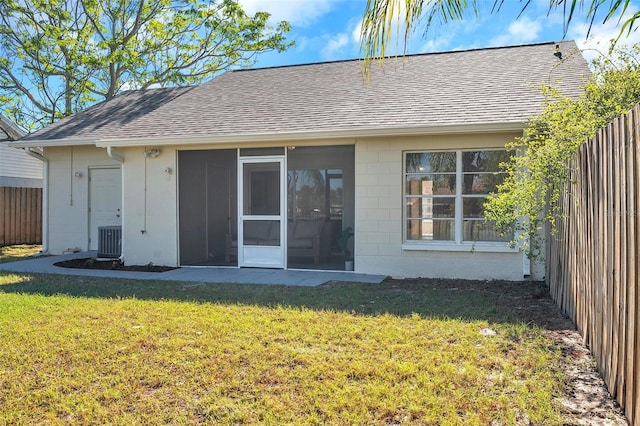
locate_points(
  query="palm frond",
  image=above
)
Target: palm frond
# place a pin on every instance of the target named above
(386, 21)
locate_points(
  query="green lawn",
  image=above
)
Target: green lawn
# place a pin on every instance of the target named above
(78, 350)
(19, 252)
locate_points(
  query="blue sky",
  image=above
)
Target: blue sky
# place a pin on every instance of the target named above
(326, 30)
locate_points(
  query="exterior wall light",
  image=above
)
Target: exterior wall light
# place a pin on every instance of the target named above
(153, 153)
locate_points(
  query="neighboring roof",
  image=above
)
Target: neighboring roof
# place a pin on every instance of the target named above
(9, 130)
(483, 87)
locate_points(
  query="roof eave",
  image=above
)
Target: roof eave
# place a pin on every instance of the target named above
(314, 135)
(45, 143)
(281, 136)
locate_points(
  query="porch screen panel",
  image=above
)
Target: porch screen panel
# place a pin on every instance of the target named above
(207, 206)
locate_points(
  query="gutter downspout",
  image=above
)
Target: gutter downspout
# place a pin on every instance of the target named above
(119, 158)
(45, 197)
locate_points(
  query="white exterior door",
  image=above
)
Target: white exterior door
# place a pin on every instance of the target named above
(105, 201)
(261, 212)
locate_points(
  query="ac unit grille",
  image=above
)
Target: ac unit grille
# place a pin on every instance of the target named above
(109, 241)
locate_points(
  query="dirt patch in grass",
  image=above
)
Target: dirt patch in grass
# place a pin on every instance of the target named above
(586, 399)
(110, 265)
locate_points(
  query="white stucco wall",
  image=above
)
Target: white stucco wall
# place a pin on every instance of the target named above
(69, 195)
(150, 205)
(379, 222)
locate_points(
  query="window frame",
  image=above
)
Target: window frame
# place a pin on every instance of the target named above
(457, 244)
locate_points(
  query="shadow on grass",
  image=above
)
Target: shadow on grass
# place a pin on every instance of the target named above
(492, 301)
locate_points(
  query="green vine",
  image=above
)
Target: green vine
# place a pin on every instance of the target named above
(535, 176)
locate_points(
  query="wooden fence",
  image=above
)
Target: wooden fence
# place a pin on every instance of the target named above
(592, 261)
(20, 216)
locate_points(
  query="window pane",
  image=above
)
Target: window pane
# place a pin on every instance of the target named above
(431, 207)
(483, 183)
(483, 161)
(430, 162)
(473, 207)
(431, 184)
(430, 229)
(444, 207)
(481, 230)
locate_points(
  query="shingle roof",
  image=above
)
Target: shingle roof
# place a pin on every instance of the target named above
(483, 86)
(106, 119)
(9, 130)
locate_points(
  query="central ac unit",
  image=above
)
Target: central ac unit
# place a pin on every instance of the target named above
(109, 241)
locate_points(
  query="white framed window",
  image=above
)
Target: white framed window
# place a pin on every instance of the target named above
(444, 194)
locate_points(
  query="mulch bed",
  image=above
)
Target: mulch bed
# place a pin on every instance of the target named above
(111, 265)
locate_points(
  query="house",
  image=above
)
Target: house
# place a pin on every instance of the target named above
(17, 168)
(266, 167)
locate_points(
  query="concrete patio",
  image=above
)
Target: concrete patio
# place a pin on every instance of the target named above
(45, 265)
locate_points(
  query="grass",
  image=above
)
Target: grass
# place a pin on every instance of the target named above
(18, 252)
(78, 350)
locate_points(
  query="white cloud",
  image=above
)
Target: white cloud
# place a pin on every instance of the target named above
(522, 30)
(437, 44)
(356, 34)
(335, 46)
(454, 35)
(297, 12)
(525, 29)
(342, 45)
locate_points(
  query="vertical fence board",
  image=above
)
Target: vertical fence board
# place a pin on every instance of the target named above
(24, 213)
(607, 303)
(3, 226)
(614, 288)
(634, 366)
(598, 261)
(39, 235)
(632, 315)
(11, 228)
(28, 216)
(622, 259)
(597, 299)
(592, 267)
(592, 219)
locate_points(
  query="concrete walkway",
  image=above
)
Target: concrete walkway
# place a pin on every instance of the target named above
(45, 265)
